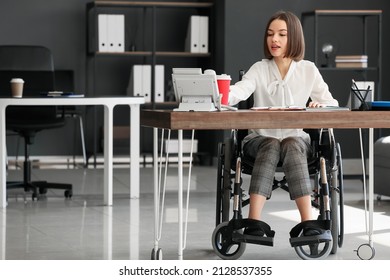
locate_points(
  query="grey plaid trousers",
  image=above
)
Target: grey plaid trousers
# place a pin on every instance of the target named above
(268, 152)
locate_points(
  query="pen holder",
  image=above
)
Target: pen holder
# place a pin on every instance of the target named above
(361, 99)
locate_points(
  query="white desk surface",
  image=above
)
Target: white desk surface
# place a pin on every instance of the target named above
(108, 103)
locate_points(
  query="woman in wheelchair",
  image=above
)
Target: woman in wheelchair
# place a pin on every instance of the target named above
(283, 79)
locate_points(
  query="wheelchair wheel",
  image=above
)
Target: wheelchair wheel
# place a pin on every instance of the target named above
(224, 183)
(319, 250)
(340, 176)
(337, 203)
(335, 217)
(223, 244)
(315, 251)
(218, 203)
(227, 191)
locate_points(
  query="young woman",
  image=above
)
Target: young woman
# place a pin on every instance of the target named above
(284, 78)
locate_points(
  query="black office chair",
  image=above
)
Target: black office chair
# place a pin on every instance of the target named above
(34, 64)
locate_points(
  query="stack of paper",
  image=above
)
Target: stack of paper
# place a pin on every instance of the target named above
(140, 83)
(197, 40)
(351, 61)
(111, 33)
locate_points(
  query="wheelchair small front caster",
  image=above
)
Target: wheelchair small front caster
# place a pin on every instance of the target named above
(223, 244)
(156, 255)
(365, 252)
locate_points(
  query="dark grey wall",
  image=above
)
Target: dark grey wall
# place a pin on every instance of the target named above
(60, 26)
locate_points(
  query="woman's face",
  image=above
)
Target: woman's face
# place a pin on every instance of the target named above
(277, 38)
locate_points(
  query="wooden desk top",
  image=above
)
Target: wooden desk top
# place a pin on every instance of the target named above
(245, 119)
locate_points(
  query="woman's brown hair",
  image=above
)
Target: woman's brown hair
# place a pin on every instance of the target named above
(296, 40)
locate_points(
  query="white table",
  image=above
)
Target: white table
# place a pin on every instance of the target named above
(108, 103)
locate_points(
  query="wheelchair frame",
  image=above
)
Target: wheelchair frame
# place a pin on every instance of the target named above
(228, 239)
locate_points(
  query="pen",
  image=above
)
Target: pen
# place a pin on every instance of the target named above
(357, 91)
(367, 90)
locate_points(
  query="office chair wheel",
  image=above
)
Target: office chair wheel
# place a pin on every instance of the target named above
(318, 251)
(68, 193)
(34, 196)
(223, 244)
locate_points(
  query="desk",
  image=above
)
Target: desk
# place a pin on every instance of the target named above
(246, 119)
(108, 103)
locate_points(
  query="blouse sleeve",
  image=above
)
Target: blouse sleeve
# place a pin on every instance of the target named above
(243, 89)
(320, 91)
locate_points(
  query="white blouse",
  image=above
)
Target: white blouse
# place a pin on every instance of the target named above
(263, 79)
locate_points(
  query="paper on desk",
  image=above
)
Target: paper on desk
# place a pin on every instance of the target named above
(62, 94)
(327, 108)
(278, 108)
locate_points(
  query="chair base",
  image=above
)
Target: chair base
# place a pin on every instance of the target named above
(40, 187)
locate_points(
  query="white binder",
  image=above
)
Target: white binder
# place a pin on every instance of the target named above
(119, 33)
(192, 39)
(159, 84)
(102, 33)
(146, 82)
(140, 82)
(116, 33)
(204, 34)
(135, 84)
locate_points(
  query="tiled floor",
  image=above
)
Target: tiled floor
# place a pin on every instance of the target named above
(82, 228)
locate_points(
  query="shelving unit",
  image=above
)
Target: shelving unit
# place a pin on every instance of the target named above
(157, 22)
(354, 32)
(150, 51)
(364, 15)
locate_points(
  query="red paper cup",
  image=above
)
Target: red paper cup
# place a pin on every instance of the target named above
(223, 82)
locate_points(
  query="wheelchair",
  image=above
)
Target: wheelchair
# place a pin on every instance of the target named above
(325, 168)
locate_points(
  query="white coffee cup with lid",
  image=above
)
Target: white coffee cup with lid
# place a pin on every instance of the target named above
(17, 87)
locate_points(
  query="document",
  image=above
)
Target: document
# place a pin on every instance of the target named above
(62, 94)
(279, 108)
(327, 108)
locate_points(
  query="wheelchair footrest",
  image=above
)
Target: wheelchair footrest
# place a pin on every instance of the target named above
(267, 239)
(261, 240)
(325, 236)
(298, 237)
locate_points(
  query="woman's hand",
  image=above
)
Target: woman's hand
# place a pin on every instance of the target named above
(315, 105)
